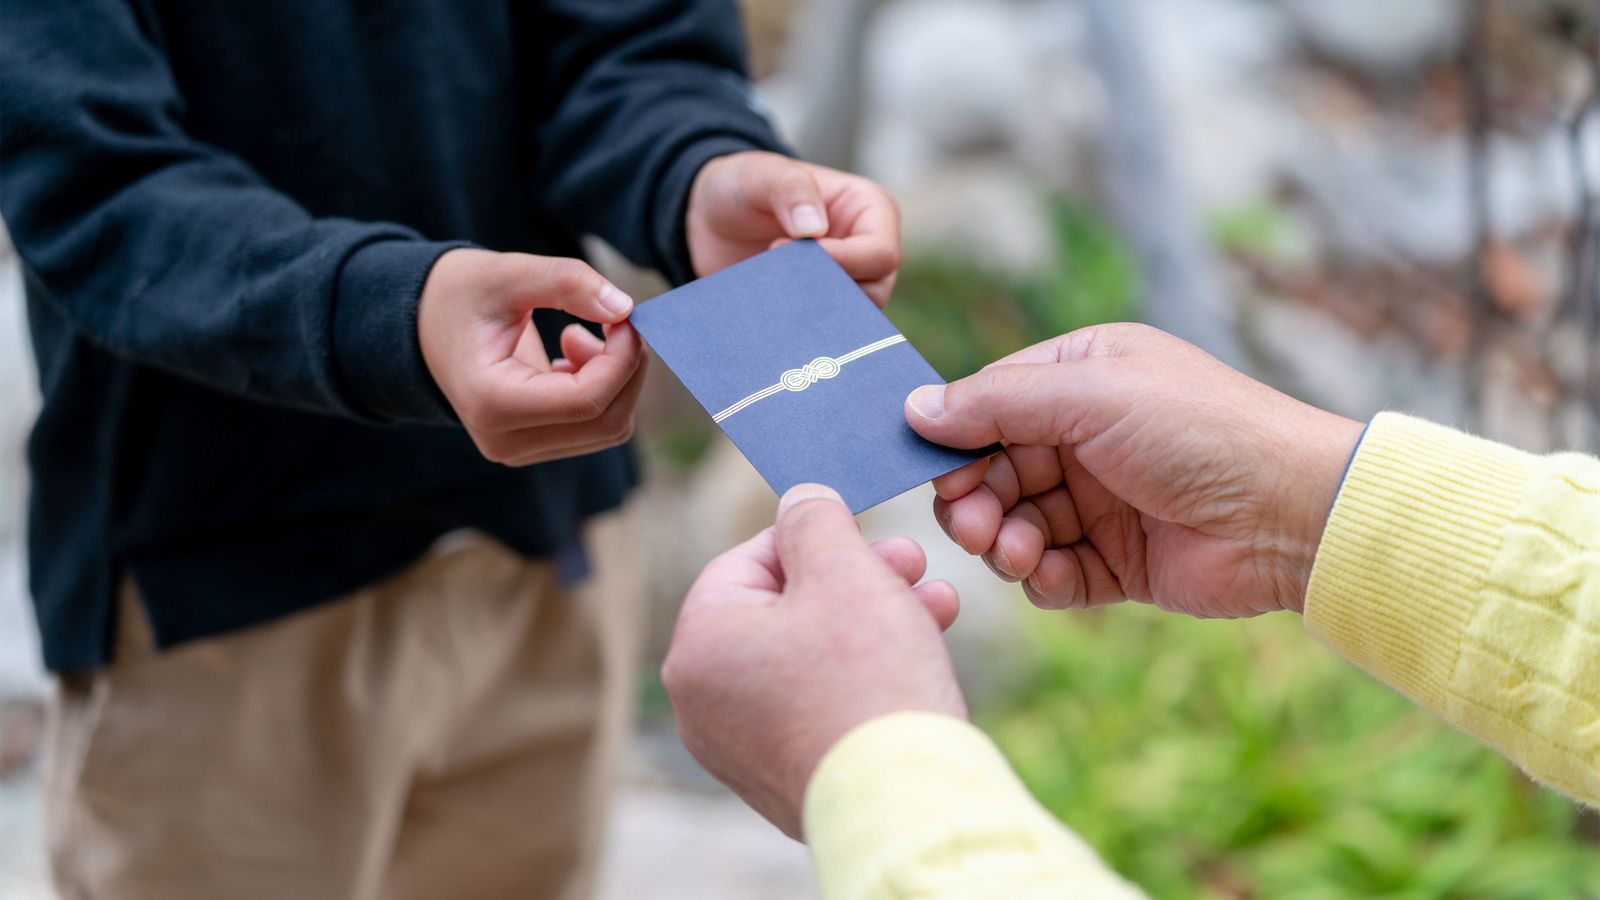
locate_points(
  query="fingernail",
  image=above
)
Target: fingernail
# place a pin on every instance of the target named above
(947, 522)
(803, 492)
(988, 560)
(1035, 593)
(1002, 562)
(615, 301)
(927, 401)
(807, 219)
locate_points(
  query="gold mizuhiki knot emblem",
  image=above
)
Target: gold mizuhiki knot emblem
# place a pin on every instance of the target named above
(810, 373)
(819, 369)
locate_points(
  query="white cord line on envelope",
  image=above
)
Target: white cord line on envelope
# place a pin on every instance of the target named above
(818, 369)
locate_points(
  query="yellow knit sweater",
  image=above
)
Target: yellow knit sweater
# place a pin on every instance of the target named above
(1461, 572)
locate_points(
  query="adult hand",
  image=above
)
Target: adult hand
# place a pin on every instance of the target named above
(790, 640)
(477, 336)
(1137, 467)
(745, 203)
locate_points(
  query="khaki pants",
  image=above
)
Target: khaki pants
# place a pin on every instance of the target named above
(451, 732)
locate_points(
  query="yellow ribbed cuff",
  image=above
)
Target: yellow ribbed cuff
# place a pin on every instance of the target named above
(918, 804)
(1416, 525)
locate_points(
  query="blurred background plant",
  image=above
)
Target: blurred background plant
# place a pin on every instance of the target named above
(1234, 759)
(963, 313)
(1368, 203)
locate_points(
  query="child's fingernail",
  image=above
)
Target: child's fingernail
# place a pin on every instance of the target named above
(615, 301)
(807, 219)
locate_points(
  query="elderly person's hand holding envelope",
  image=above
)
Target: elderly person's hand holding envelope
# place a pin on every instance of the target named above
(809, 676)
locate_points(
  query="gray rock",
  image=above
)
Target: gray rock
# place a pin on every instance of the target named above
(1384, 36)
(1391, 189)
(1315, 357)
(1217, 64)
(950, 78)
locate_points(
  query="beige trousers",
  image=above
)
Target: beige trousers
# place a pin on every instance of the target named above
(452, 732)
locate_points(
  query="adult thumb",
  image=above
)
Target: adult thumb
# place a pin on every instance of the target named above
(817, 535)
(1018, 404)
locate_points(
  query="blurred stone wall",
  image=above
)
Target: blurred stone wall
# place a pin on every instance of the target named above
(1374, 257)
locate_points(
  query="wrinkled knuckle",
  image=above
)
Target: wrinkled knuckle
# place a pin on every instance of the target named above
(797, 182)
(592, 407)
(572, 277)
(492, 408)
(1094, 378)
(556, 275)
(502, 271)
(1135, 330)
(586, 407)
(972, 389)
(1126, 338)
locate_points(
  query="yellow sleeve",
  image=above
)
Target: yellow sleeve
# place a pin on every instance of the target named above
(916, 805)
(1466, 575)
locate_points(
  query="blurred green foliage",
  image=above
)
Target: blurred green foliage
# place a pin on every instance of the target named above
(680, 442)
(1256, 228)
(963, 314)
(1241, 759)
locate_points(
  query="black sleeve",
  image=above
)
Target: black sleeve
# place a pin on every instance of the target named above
(174, 254)
(636, 96)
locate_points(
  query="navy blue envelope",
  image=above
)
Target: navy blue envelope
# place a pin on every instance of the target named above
(802, 371)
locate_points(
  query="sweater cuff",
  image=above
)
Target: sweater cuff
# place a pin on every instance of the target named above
(375, 332)
(669, 239)
(908, 796)
(1414, 529)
